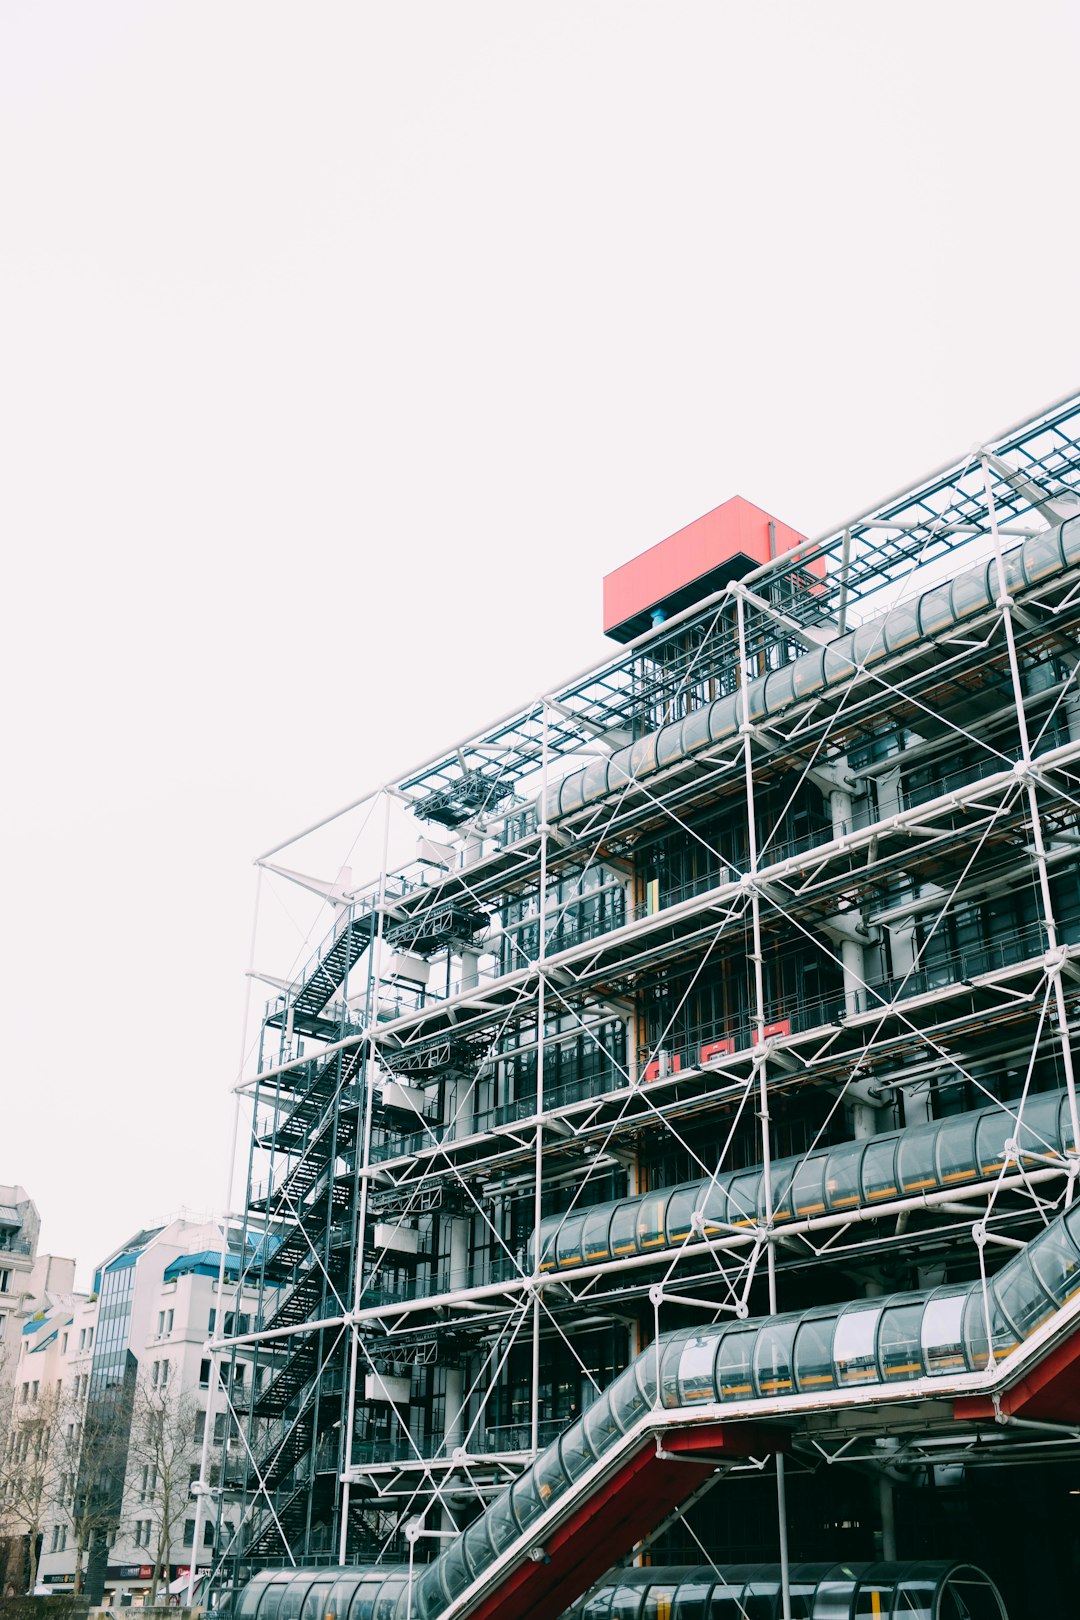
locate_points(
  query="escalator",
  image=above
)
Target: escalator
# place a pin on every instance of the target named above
(700, 1397)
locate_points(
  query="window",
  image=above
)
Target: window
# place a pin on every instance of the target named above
(89, 1338)
(63, 1344)
(34, 1388)
(200, 1430)
(239, 1374)
(213, 1320)
(189, 1532)
(24, 1394)
(59, 1538)
(143, 1530)
(159, 1374)
(5, 1281)
(204, 1374)
(208, 1533)
(219, 1426)
(82, 1338)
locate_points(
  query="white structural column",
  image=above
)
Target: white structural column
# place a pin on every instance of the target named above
(761, 1061)
(219, 1297)
(849, 932)
(368, 1097)
(538, 1198)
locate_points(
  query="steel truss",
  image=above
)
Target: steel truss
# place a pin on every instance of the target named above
(857, 913)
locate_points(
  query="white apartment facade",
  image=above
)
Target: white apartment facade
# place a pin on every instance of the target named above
(142, 1331)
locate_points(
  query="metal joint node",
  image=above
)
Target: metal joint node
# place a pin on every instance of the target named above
(978, 1234)
(1054, 960)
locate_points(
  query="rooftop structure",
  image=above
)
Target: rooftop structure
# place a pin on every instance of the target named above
(656, 1160)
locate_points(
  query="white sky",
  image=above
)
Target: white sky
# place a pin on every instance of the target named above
(343, 348)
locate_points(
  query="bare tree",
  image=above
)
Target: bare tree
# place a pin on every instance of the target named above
(28, 1468)
(162, 1452)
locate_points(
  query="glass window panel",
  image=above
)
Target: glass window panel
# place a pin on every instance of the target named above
(743, 1199)
(714, 1204)
(993, 1130)
(526, 1501)
(622, 1229)
(594, 1235)
(879, 1178)
(456, 1575)
(601, 1428)
(808, 1187)
(942, 1333)
(548, 1231)
(503, 1527)
(659, 1601)
(914, 1600)
(772, 1358)
(956, 1159)
(899, 1343)
(315, 1601)
(568, 1242)
(478, 1549)
(680, 1208)
(691, 1602)
(1038, 1131)
(696, 1368)
(835, 1599)
(842, 1183)
(1056, 1262)
(577, 1454)
(814, 1368)
(649, 1226)
(916, 1161)
(627, 1400)
(855, 1345)
(1021, 1296)
(733, 1364)
(626, 1602)
(550, 1475)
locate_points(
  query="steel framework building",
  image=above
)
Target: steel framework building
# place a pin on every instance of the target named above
(737, 978)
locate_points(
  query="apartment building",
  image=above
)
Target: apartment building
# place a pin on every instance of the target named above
(123, 1377)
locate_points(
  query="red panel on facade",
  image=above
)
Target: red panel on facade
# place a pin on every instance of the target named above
(693, 562)
(616, 1516)
(1049, 1393)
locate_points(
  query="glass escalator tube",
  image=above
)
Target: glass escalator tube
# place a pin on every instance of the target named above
(923, 1158)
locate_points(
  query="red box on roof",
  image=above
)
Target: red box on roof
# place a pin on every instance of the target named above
(692, 563)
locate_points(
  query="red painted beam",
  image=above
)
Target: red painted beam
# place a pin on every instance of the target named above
(1049, 1392)
(633, 1501)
